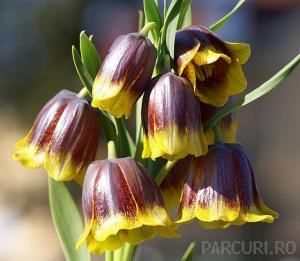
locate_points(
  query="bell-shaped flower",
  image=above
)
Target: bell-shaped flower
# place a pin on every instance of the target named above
(121, 203)
(228, 124)
(124, 74)
(213, 66)
(220, 190)
(171, 118)
(64, 138)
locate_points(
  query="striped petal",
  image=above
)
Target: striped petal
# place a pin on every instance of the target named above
(172, 120)
(220, 190)
(215, 69)
(121, 203)
(124, 74)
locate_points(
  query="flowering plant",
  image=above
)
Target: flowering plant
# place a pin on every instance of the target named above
(182, 81)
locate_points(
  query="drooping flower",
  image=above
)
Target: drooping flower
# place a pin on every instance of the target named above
(171, 118)
(121, 203)
(124, 74)
(64, 138)
(220, 190)
(213, 66)
(228, 124)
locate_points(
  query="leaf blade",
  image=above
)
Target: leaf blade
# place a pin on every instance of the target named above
(260, 91)
(217, 25)
(82, 72)
(170, 25)
(185, 16)
(89, 55)
(152, 14)
(67, 221)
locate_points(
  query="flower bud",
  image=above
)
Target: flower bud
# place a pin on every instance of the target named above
(213, 66)
(124, 74)
(220, 190)
(64, 138)
(121, 203)
(171, 119)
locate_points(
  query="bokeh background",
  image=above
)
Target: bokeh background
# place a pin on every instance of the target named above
(35, 62)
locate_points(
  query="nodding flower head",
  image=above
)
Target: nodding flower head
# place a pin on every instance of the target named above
(64, 138)
(171, 119)
(213, 66)
(220, 190)
(121, 203)
(124, 74)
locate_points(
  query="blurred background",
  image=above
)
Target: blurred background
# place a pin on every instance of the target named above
(35, 62)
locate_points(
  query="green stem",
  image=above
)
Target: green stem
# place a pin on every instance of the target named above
(128, 252)
(109, 256)
(83, 93)
(145, 30)
(260, 91)
(141, 19)
(218, 134)
(118, 254)
(164, 172)
(111, 150)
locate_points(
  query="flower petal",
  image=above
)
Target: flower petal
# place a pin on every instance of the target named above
(208, 56)
(241, 51)
(184, 59)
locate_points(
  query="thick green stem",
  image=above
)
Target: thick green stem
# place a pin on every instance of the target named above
(109, 256)
(83, 93)
(118, 254)
(218, 134)
(141, 20)
(111, 150)
(145, 30)
(128, 252)
(164, 172)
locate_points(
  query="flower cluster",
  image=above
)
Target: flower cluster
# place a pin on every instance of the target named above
(212, 181)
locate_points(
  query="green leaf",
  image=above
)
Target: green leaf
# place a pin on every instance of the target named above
(152, 15)
(188, 254)
(260, 91)
(89, 55)
(171, 22)
(67, 221)
(82, 72)
(185, 17)
(170, 25)
(125, 145)
(224, 19)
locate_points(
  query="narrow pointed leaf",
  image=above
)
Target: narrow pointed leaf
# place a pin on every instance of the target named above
(224, 19)
(188, 254)
(67, 221)
(260, 91)
(170, 25)
(152, 14)
(82, 72)
(89, 55)
(185, 16)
